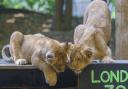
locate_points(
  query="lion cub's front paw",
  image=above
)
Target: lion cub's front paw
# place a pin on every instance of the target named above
(21, 61)
(51, 80)
(108, 60)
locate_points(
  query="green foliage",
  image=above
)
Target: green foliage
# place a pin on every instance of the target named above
(43, 6)
(112, 5)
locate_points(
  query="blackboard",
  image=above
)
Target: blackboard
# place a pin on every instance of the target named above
(105, 76)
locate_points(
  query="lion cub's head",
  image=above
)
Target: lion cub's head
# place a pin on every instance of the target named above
(79, 58)
(56, 56)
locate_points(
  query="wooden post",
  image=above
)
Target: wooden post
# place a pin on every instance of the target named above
(63, 16)
(59, 14)
(122, 29)
(68, 15)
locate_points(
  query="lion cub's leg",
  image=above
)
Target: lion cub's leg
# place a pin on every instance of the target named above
(15, 43)
(108, 58)
(49, 73)
(103, 50)
(78, 32)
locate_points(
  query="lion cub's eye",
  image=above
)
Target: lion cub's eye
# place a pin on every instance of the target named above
(49, 55)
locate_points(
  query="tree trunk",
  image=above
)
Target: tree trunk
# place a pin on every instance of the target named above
(59, 14)
(68, 15)
(122, 29)
(63, 16)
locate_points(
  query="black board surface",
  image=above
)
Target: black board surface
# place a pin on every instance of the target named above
(94, 76)
(105, 76)
(15, 77)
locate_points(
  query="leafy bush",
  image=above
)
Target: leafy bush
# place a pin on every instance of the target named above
(43, 6)
(112, 8)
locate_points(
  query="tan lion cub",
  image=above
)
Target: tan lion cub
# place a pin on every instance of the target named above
(46, 54)
(92, 37)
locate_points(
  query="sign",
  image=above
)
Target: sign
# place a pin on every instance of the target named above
(105, 76)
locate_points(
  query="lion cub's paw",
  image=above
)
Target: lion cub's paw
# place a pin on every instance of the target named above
(108, 60)
(51, 81)
(21, 61)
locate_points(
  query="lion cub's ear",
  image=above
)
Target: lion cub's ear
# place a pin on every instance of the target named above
(66, 45)
(88, 52)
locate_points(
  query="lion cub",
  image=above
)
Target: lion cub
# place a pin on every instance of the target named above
(46, 54)
(92, 37)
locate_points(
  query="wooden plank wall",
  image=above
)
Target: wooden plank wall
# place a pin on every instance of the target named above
(122, 29)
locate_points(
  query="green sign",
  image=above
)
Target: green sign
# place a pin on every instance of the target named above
(105, 76)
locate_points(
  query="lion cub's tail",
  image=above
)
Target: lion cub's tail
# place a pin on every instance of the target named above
(6, 54)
